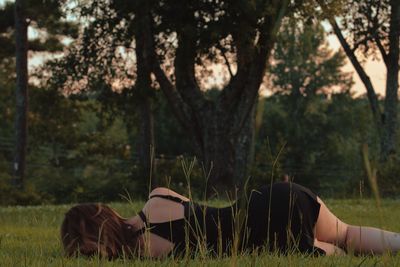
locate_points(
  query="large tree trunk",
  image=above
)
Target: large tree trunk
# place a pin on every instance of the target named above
(21, 41)
(217, 150)
(226, 152)
(223, 129)
(388, 143)
(145, 142)
(244, 156)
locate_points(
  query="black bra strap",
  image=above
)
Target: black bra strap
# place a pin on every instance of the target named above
(175, 199)
(143, 217)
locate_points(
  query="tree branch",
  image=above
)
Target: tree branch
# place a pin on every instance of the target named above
(264, 46)
(144, 34)
(362, 41)
(257, 70)
(244, 55)
(373, 99)
(184, 64)
(234, 88)
(175, 102)
(226, 60)
(382, 50)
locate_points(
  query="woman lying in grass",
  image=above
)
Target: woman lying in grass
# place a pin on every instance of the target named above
(285, 218)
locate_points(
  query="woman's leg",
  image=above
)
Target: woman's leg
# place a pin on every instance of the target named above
(329, 228)
(363, 239)
(359, 239)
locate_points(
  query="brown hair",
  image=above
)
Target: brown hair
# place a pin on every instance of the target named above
(96, 229)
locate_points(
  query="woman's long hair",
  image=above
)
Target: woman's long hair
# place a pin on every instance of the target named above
(96, 229)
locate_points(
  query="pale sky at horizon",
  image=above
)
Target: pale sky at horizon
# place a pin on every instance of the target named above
(374, 68)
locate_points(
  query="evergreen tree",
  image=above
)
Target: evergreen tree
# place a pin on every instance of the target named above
(42, 15)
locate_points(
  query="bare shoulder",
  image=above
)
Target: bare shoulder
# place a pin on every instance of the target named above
(166, 191)
(159, 210)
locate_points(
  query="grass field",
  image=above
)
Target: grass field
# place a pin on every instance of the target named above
(29, 236)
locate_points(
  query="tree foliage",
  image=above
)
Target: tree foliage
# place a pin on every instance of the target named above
(14, 37)
(303, 63)
(84, 114)
(47, 18)
(304, 74)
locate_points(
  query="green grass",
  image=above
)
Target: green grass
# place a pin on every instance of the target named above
(29, 236)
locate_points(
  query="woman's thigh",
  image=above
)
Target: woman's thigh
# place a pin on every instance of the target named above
(329, 228)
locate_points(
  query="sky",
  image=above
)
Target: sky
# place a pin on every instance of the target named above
(373, 67)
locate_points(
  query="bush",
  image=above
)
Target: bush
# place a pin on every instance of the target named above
(388, 177)
(10, 195)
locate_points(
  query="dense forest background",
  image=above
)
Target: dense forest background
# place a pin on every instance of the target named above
(88, 138)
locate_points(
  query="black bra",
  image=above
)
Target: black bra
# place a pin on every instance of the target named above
(170, 229)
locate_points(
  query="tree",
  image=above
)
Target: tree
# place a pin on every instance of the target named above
(304, 65)
(21, 41)
(107, 64)
(222, 129)
(320, 148)
(187, 37)
(144, 88)
(181, 43)
(26, 13)
(373, 25)
(304, 72)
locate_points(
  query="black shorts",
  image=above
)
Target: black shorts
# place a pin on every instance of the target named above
(282, 218)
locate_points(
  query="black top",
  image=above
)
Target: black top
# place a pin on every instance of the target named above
(280, 218)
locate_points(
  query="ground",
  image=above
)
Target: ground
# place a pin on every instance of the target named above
(29, 236)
